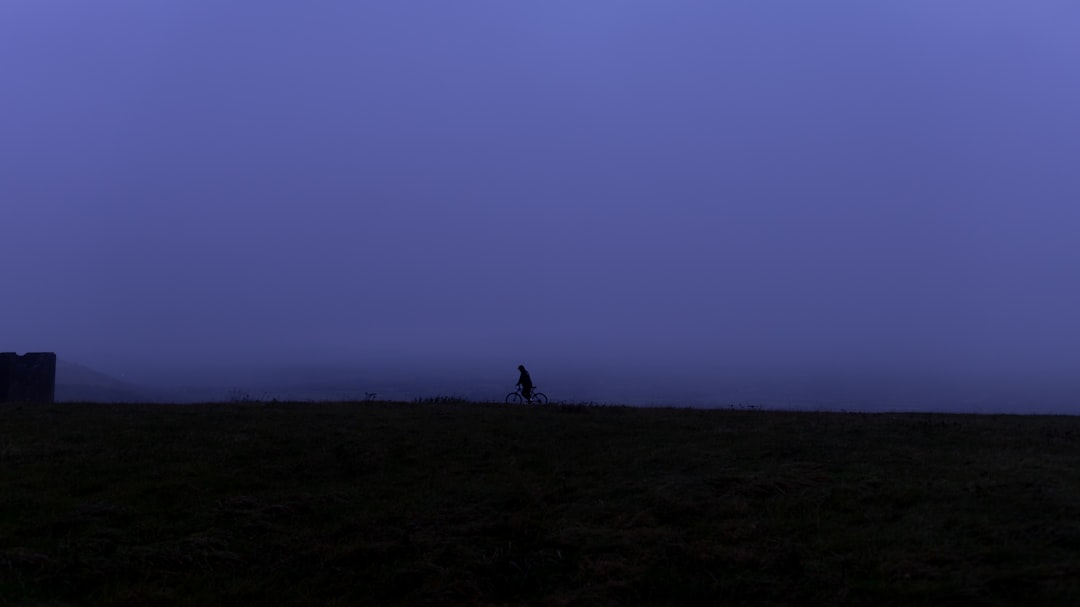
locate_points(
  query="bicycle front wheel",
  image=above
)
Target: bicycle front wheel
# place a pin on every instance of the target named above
(514, 398)
(539, 398)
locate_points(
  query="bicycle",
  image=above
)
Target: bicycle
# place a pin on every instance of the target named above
(516, 398)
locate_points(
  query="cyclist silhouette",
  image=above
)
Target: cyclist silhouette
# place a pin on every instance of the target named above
(525, 382)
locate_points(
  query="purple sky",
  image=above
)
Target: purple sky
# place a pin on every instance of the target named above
(776, 187)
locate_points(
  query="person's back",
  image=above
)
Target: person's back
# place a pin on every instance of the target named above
(525, 382)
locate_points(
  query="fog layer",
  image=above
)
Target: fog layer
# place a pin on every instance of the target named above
(711, 196)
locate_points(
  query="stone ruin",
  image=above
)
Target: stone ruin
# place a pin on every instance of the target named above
(27, 378)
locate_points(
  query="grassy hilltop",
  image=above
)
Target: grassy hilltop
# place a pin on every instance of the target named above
(451, 504)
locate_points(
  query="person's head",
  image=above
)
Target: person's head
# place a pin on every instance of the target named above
(521, 367)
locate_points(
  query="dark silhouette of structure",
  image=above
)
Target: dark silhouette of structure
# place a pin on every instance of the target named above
(27, 378)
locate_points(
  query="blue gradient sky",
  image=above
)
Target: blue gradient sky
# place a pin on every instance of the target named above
(707, 188)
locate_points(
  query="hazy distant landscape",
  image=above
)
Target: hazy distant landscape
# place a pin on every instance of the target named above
(792, 391)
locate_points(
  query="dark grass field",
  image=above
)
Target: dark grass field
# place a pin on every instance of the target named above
(471, 504)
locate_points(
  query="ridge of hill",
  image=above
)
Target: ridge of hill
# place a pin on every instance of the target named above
(79, 383)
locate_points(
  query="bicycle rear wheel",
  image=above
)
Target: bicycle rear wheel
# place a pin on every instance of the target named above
(539, 398)
(514, 398)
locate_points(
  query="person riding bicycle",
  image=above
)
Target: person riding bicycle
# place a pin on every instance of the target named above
(525, 382)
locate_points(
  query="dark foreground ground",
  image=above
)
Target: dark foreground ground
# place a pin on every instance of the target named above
(466, 504)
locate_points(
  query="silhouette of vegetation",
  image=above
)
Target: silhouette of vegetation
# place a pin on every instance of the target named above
(239, 395)
(482, 504)
(441, 400)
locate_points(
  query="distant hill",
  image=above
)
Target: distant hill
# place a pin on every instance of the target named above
(77, 383)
